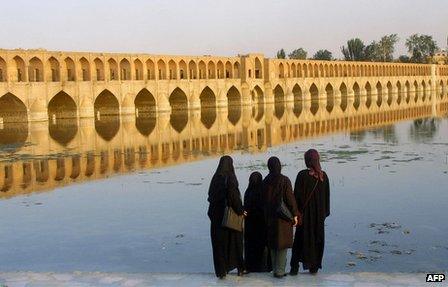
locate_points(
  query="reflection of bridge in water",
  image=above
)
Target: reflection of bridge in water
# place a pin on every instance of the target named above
(46, 155)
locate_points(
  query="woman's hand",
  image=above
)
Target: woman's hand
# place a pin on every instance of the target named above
(244, 213)
(296, 221)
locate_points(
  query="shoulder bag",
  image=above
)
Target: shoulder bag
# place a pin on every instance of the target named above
(231, 219)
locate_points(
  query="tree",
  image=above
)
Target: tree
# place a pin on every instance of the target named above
(386, 48)
(323, 55)
(299, 54)
(371, 52)
(421, 47)
(354, 50)
(281, 54)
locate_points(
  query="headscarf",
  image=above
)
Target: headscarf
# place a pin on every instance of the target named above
(313, 164)
(253, 194)
(274, 166)
(224, 174)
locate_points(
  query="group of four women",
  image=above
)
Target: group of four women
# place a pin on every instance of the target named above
(267, 234)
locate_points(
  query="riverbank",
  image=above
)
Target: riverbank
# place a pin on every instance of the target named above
(84, 279)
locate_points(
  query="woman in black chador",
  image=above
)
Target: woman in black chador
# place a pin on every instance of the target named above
(227, 244)
(255, 248)
(312, 193)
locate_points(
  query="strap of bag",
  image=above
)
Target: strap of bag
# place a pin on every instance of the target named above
(309, 196)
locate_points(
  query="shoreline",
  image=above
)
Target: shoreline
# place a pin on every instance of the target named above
(76, 278)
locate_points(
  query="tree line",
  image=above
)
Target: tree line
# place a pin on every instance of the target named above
(420, 50)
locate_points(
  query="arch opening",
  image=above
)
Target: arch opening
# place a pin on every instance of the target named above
(298, 100)
(344, 96)
(330, 97)
(314, 93)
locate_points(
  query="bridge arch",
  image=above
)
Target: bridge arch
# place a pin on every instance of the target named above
(145, 104)
(106, 104)
(281, 70)
(35, 70)
(183, 70)
(12, 109)
(150, 70)
(202, 70)
(193, 70)
(233, 97)
(161, 69)
(368, 89)
(211, 69)
(330, 97)
(19, 64)
(357, 96)
(70, 69)
(138, 70)
(298, 100)
(314, 93)
(113, 69)
(229, 73)
(172, 67)
(407, 88)
(85, 69)
(423, 91)
(62, 106)
(54, 74)
(125, 70)
(207, 98)
(279, 101)
(236, 70)
(258, 98)
(99, 69)
(416, 91)
(344, 96)
(179, 113)
(379, 94)
(399, 93)
(220, 70)
(389, 93)
(258, 69)
(3, 70)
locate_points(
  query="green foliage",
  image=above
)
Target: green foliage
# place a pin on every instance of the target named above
(354, 50)
(323, 55)
(281, 54)
(386, 47)
(421, 47)
(404, 59)
(299, 54)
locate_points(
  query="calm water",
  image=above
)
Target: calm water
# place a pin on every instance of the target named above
(389, 191)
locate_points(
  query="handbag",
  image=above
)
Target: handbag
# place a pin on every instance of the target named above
(231, 219)
(300, 213)
(283, 211)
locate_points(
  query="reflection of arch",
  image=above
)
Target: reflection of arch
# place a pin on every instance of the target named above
(145, 125)
(298, 100)
(416, 92)
(389, 93)
(233, 97)
(368, 95)
(145, 104)
(423, 90)
(15, 127)
(344, 96)
(107, 127)
(407, 87)
(357, 95)
(63, 131)
(35, 70)
(61, 106)
(330, 97)
(258, 97)
(279, 102)
(399, 91)
(179, 105)
(379, 94)
(314, 93)
(234, 114)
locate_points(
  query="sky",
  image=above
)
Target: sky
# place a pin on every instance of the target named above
(205, 27)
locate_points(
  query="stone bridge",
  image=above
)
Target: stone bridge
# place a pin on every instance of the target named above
(40, 85)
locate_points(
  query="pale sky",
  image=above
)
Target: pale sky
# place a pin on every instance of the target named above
(230, 27)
